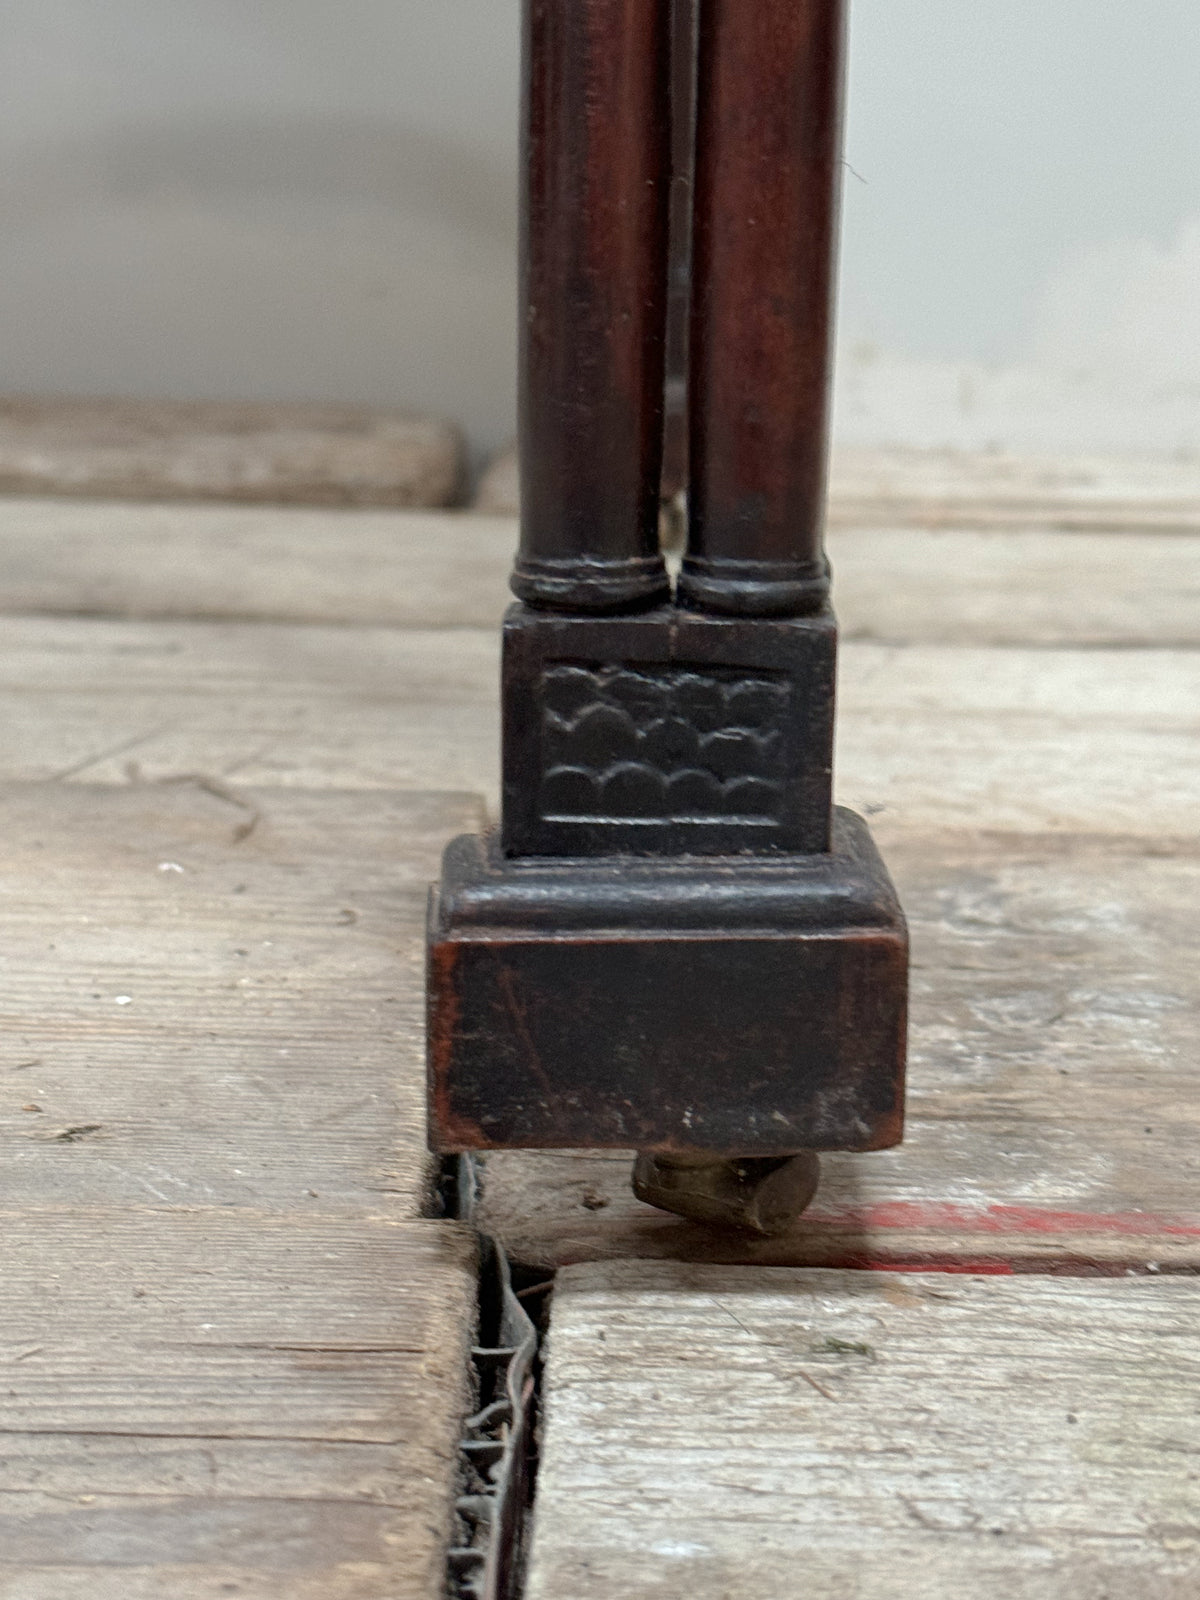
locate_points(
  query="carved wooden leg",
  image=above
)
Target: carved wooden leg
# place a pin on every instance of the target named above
(673, 942)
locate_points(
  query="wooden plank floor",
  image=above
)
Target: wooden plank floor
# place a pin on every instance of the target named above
(254, 563)
(299, 454)
(222, 1016)
(932, 735)
(728, 1434)
(1029, 761)
(1053, 1119)
(211, 1402)
(235, 1359)
(993, 489)
(910, 487)
(934, 584)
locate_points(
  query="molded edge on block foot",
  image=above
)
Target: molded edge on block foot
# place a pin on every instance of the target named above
(731, 1004)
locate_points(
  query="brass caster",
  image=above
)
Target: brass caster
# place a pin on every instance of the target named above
(763, 1195)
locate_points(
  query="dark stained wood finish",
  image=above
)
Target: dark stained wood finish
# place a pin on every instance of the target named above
(679, 299)
(594, 285)
(669, 733)
(665, 945)
(744, 1007)
(767, 188)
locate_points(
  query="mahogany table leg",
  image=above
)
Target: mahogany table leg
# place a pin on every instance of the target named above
(596, 166)
(767, 184)
(673, 942)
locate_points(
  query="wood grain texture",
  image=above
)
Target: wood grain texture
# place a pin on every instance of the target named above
(203, 1403)
(890, 487)
(450, 570)
(410, 568)
(851, 1436)
(206, 450)
(1052, 1114)
(259, 704)
(592, 269)
(995, 489)
(1021, 586)
(930, 736)
(760, 353)
(213, 996)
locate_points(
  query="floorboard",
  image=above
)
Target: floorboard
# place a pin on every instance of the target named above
(728, 1434)
(930, 736)
(210, 1403)
(1053, 1122)
(215, 996)
(936, 583)
(222, 730)
(300, 454)
(897, 486)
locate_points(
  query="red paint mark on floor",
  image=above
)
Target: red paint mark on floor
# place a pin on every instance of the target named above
(988, 1268)
(952, 1216)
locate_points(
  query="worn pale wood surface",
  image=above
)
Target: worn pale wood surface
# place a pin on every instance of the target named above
(1053, 1119)
(1060, 742)
(731, 1434)
(965, 488)
(193, 1017)
(934, 736)
(418, 569)
(959, 488)
(438, 570)
(1017, 587)
(202, 450)
(233, 1359)
(261, 704)
(208, 1403)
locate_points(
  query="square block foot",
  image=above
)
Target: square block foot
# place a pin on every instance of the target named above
(739, 1005)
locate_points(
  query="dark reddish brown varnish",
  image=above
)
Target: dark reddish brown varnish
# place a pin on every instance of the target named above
(594, 285)
(679, 297)
(670, 944)
(767, 182)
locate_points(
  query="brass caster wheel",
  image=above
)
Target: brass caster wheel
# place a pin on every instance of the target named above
(763, 1195)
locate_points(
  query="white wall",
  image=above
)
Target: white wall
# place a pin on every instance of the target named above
(316, 198)
(1022, 255)
(261, 198)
